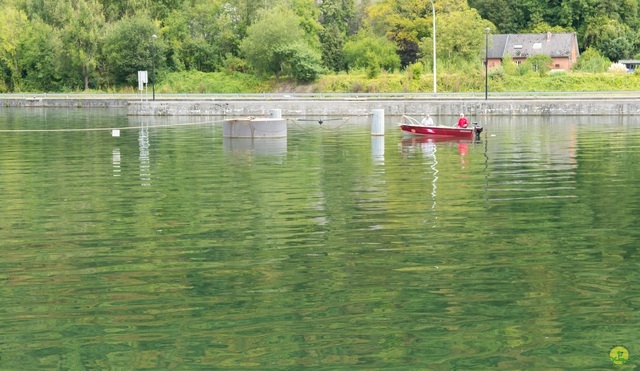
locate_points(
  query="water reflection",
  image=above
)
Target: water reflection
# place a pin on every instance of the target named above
(115, 159)
(145, 164)
(542, 164)
(275, 147)
(377, 149)
(461, 255)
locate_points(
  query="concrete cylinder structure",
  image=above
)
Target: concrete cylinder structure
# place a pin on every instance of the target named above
(254, 128)
(377, 122)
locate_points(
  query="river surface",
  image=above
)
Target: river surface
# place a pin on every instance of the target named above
(171, 247)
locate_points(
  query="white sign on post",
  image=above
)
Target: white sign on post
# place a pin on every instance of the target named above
(142, 80)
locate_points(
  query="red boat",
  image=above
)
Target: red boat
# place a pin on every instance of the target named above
(413, 127)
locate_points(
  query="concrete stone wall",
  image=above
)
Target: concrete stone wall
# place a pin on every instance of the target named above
(348, 106)
(61, 102)
(354, 107)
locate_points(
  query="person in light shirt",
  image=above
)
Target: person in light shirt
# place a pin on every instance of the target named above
(427, 120)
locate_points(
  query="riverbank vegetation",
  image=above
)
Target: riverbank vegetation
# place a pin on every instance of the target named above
(244, 46)
(359, 82)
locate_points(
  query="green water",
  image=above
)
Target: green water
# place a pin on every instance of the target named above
(170, 247)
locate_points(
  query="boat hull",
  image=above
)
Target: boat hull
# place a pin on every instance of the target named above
(439, 131)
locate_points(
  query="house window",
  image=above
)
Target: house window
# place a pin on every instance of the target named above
(518, 62)
(537, 46)
(557, 65)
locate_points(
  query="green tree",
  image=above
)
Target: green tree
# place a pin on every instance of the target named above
(508, 65)
(366, 50)
(339, 13)
(128, 48)
(39, 51)
(538, 63)
(200, 36)
(592, 61)
(300, 62)
(461, 35)
(49, 12)
(502, 13)
(247, 11)
(115, 10)
(544, 27)
(333, 40)
(338, 18)
(271, 39)
(13, 23)
(617, 49)
(80, 37)
(403, 22)
(308, 15)
(611, 37)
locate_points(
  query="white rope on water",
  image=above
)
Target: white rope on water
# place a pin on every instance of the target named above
(322, 121)
(294, 121)
(107, 129)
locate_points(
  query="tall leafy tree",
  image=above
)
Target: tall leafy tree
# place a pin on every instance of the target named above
(333, 41)
(614, 39)
(308, 15)
(39, 51)
(403, 22)
(13, 23)
(247, 11)
(591, 61)
(49, 12)
(338, 18)
(506, 17)
(129, 48)
(274, 41)
(157, 9)
(80, 36)
(366, 50)
(461, 34)
(339, 13)
(200, 36)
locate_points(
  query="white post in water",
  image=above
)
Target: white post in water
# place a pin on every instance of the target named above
(377, 123)
(275, 113)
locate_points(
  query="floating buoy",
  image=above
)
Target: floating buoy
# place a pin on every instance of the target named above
(115, 132)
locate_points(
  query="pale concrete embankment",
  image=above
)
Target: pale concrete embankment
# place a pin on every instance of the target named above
(57, 102)
(352, 107)
(344, 105)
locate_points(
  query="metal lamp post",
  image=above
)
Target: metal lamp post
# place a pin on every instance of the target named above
(486, 63)
(153, 69)
(433, 8)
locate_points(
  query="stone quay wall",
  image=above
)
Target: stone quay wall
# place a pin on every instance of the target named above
(391, 107)
(41, 102)
(340, 107)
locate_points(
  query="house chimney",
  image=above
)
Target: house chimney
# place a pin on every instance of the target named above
(548, 36)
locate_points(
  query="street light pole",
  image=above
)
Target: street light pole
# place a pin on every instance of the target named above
(433, 9)
(153, 68)
(486, 63)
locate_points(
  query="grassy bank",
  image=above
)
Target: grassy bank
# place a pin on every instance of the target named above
(223, 82)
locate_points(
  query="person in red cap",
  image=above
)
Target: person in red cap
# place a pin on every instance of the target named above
(462, 121)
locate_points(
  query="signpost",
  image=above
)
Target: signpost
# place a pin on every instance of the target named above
(142, 82)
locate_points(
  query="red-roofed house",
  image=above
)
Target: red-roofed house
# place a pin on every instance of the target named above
(561, 47)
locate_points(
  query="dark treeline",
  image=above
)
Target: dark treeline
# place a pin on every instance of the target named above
(71, 45)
